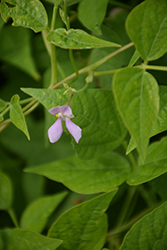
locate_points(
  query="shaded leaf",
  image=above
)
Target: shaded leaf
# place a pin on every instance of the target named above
(155, 164)
(92, 17)
(27, 13)
(17, 116)
(146, 232)
(137, 98)
(84, 226)
(12, 239)
(37, 213)
(3, 104)
(77, 39)
(160, 244)
(95, 113)
(5, 192)
(146, 26)
(100, 175)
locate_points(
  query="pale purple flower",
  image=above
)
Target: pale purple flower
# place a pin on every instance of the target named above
(55, 131)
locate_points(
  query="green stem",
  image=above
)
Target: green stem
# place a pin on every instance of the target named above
(13, 217)
(26, 100)
(5, 111)
(54, 77)
(152, 67)
(100, 73)
(130, 156)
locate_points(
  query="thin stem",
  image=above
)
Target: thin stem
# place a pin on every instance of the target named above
(13, 217)
(26, 100)
(54, 77)
(130, 156)
(31, 109)
(100, 73)
(152, 67)
(5, 111)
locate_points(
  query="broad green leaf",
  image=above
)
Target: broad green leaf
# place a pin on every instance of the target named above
(12, 239)
(37, 213)
(3, 105)
(77, 39)
(100, 175)
(161, 123)
(15, 49)
(95, 112)
(146, 232)
(28, 13)
(134, 58)
(155, 164)
(5, 192)
(146, 26)
(160, 244)
(17, 116)
(92, 17)
(137, 98)
(84, 226)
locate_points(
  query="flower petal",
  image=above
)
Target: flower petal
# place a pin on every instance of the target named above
(55, 110)
(74, 130)
(55, 131)
(66, 111)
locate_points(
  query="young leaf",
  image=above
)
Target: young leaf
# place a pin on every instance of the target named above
(155, 164)
(77, 39)
(84, 226)
(92, 17)
(3, 105)
(19, 239)
(37, 213)
(95, 112)
(5, 192)
(137, 98)
(27, 13)
(146, 26)
(146, 232)
(17, 116)
(100, 175)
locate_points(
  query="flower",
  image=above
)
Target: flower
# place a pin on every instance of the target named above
(63, 113)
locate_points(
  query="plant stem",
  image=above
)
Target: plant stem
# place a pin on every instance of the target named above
(54, 77)
(13, 217)
(100, 73)
(152, 67)
(130, 156)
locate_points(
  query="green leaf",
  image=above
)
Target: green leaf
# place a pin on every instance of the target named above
(155, 164)
(84, 226)
(37, 213)
(3, 105)
(134, 58)
(146, 26)
(137, 98)
(15, 49)
(27, 13)
(5, 192)
(1, 118)
(160, 186)
(146, 232)
(71, 2)
(160, 244)
(17, 116)
(161, 123)
(95, 113)
(12, 239)
(56, 2)
(92, 17)
(100, 175)
(77, 39)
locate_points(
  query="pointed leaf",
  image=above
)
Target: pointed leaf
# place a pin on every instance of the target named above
(137, 98)
(5, 192)
(95, 113)
(146, 232)
(95, 14)
(77, 39)
(155, 164)
(84, 226)
(17, 116)
(19, 239)
(100, 175)
(27, 13)
(146, 26)
(3, 105)
(37, 213)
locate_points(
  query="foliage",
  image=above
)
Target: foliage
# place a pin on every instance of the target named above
(107, 61)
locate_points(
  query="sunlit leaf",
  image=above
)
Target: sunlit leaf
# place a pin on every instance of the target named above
(77, 39)
(37, 213)
(100, 175)
(27, 13)
(146, 26)
(17, 116)
(84, 226)
(137, 98)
